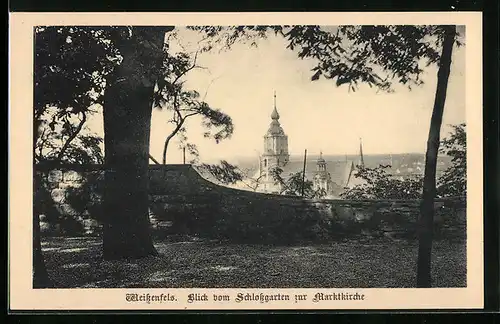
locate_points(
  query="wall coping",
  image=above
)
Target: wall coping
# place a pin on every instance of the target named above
(96, 167)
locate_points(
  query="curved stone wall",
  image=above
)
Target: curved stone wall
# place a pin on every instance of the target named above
(182, 200)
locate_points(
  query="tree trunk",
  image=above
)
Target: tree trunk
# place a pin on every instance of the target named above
(165, 147)
(128, 102)
(169, 137)
(40, 275)
(426, 220)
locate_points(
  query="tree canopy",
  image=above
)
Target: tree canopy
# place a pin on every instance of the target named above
(349, 55)
(71, 64)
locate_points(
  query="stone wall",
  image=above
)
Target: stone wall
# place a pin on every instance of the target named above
(182, 201)
(68, 199)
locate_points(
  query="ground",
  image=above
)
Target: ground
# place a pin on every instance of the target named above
(76, 262)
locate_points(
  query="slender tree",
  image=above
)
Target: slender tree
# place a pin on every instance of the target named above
(426, 221)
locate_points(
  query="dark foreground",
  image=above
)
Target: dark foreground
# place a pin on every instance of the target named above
(77, 263)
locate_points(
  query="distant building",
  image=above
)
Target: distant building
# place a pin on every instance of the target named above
(275, 153)
(322, 179)
(330, 176)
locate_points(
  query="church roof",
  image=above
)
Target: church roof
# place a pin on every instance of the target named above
(275, 128)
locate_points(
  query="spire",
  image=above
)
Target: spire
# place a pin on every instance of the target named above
(275, 115)
(362, 161)
(350, 174)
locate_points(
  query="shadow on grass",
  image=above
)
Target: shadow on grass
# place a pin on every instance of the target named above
(77, 263)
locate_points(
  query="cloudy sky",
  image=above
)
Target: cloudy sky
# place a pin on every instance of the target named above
(315, 115)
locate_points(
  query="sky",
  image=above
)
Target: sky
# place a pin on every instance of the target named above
(317, 116)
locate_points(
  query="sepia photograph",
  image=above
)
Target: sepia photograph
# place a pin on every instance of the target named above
(249, 156)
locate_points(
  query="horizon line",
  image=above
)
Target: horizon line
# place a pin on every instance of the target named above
(341, 154)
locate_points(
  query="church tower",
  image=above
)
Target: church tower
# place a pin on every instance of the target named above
(275, 146)
(275, 143)
(322, 179)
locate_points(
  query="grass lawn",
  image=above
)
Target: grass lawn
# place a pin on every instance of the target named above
(76, 263)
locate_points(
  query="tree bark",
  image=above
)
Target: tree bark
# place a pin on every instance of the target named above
(426, 220)
(40, 275)
(128, 102)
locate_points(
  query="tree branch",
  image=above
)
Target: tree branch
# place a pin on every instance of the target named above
(169, 137)
(208, 87)
(72, 137)
(188, 69)
(256, 181)
(153, 159)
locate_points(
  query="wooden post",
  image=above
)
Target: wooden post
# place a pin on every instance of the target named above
(184, 155)
(304, 173)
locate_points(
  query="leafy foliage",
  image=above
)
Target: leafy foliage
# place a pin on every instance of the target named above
(375, 55)
(71, 65)
(296, 184)
(453, 182)
(224, 37)
(67, 140)
(224, 172)
(184, 104)
(380, 184)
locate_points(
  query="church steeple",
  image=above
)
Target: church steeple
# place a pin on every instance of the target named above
(275, 115)
(361, 158)
(275, 127)
(275, 140)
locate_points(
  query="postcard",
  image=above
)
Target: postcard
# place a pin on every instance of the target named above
(245, 161)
